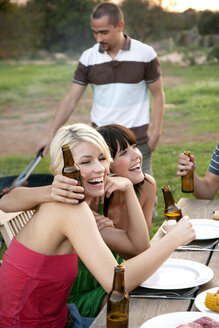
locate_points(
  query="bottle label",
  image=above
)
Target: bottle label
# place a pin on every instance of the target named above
(170, 222)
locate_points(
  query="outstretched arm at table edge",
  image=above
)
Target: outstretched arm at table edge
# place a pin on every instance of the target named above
(207, 187)
(99, 259)
(66, 107)
(157, 112)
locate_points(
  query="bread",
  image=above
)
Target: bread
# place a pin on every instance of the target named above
(216, 215)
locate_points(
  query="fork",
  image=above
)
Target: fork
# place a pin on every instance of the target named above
(167, 294)
(174, 293)
(198, 247)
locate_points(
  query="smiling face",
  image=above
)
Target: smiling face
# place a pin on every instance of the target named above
(93, 165)
(127, 163)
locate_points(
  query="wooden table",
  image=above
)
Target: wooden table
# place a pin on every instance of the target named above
(142, 309)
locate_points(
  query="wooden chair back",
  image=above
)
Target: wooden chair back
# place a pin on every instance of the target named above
(12, 223)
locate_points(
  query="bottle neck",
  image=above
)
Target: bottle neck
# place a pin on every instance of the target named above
(68, 158)
(119, 281)
(168, 198)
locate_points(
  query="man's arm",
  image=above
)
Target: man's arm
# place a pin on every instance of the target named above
(157, 113)
(62, 114)
(204, 188)
(207, 187)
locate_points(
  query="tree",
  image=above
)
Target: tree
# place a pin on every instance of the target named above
(65, 25)
(5, 7)
(208, 22)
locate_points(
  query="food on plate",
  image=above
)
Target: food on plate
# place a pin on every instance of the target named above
(216, 215)
(203, 322)
(212, 301)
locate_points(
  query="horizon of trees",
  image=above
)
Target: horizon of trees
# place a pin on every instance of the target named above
(64, 26)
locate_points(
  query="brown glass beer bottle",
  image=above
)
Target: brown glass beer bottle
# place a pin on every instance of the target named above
(171, 210)
(187, 181)
(70, 168)
(118, 301)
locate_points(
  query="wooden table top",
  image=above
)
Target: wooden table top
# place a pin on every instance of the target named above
(142, 309)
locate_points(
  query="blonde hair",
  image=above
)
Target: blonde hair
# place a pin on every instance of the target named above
(72, 135)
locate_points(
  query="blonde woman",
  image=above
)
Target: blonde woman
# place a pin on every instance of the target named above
(40, 264)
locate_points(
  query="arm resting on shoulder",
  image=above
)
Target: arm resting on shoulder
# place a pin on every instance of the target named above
(24, 198)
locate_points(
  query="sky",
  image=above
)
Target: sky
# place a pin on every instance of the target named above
(180, 5)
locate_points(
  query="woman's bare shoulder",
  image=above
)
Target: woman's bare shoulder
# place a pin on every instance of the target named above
(149, 179)
(63, 210)
(148, 189)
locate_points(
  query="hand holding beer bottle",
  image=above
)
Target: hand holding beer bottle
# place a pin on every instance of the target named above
(70, 168)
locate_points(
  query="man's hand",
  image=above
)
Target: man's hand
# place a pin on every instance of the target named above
(184, 164)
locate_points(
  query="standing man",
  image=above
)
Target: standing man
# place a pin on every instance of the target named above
(121, 71)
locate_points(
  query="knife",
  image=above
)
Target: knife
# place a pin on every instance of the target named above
(196, 249)
(173, 297)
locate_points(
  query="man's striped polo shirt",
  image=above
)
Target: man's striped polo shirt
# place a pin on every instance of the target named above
(120, 85)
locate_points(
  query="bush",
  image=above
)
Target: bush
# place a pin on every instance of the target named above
(214, 53)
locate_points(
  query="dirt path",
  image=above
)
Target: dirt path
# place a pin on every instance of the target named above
(21, 135)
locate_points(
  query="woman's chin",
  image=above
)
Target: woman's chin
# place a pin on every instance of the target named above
(95, 193)
(137, 178)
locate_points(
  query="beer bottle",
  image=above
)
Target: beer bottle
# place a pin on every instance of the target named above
(171, 210)
(70, 168)
(118, 301)
(187, 181)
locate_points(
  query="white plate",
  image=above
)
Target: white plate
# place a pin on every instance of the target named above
(204, 228)
(172, 320)
(200, 301)
(178, 274)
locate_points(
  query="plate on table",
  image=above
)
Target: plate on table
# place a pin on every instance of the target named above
(200, 301)
(179, 274)
(172, 320)
(204, 228)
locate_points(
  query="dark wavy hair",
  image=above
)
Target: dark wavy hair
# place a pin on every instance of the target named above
(118, 137)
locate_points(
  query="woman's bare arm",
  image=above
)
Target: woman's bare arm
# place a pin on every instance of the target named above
(62, 189)
(147, 199)
(136, 237)
(87, 242)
